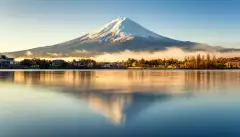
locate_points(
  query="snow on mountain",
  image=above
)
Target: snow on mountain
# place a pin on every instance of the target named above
(118, 35)
(119, 29)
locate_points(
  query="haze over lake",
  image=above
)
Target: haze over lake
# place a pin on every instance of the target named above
(116, 103)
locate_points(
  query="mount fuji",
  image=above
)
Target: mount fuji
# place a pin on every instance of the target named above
(118, 35)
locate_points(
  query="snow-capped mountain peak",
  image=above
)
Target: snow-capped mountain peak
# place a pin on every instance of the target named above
(121, 28)
(119, 35)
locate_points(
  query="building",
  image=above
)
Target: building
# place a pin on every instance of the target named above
(6, 62)
(83, 63)
(114, 65)
(107, 65)
(79, 64)
(57, 63)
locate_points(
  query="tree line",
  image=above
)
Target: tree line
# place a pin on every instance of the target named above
(190, 62)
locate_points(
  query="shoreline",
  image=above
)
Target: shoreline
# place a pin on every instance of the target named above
(109, 69)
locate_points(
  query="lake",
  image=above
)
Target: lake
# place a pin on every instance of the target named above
(120, 103)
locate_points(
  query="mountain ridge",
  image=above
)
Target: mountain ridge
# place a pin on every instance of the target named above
(118, 35)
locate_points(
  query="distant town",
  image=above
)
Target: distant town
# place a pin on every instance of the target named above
(190, 62)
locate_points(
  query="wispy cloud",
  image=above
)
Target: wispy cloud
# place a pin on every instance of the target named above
(176, 53)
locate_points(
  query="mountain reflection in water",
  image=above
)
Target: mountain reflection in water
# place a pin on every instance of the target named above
(122, 95)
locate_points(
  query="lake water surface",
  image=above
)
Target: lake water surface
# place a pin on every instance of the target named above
(120, 103)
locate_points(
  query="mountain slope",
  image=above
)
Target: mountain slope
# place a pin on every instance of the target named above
(118, 35)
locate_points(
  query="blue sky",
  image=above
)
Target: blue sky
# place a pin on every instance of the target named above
(27, 24)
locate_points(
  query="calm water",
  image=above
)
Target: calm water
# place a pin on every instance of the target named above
(115, 103)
